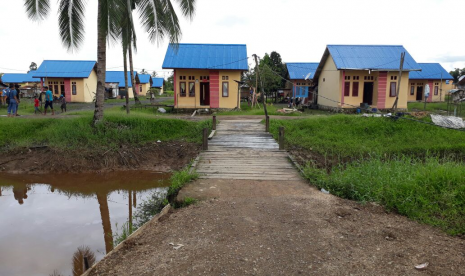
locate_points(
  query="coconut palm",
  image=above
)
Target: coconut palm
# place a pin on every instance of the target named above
(158, 18)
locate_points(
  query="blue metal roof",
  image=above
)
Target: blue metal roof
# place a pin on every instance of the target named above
(65, 69)
(300, 70)
(158, 82)
(374, 57)
(19, 78)
(144, 78)
(118, 77)
(432, 71)
(207, 56)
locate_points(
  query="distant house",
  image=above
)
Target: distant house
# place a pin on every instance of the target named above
(158, 84)
(145, 84)
(353, 75)
(29, 86)
(301, 74)
(116, 86)
(205, 75)
(461, 83)
(434, 75)
(76, 79)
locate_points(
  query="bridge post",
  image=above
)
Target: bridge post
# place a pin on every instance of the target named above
(205, 139)
(267, 127)
(281, 138)
(214, 122)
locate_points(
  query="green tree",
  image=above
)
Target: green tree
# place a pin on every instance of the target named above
(32, 67)
(169, 84)
(143, 72)
(457, 73)
(154, 74)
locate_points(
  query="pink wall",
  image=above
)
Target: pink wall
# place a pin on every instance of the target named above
(67, 90)
(382, 89)
(431, 90)
(214, 89)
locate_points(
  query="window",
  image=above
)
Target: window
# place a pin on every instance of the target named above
(347, 88)
(191, 89)
(140, 88)
(324, 79)
(182, 77)
(355, 89)
(356, 78)
(393, 77)
(392, 92)
(225, 78)
(56, 88)
(412, 90)
(62, 89)
(225, 89)
(436, 90)
(73, 87)
(182, 86)
(191, 77)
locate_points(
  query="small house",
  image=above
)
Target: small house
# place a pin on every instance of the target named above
(301, 75)
(350, 76)
(116, 86)
(75, 79)
(433, 75)
(29, 86)
(145, 84)
(206, 75)
(158, 83)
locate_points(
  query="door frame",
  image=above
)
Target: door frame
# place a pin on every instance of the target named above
(206, 100)
(421, 94)
(372, 92)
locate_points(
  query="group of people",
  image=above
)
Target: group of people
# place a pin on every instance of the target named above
(10, 97)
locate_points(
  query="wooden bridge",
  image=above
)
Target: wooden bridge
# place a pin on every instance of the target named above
(241, 149)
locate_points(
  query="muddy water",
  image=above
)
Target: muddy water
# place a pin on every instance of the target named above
(45, 219)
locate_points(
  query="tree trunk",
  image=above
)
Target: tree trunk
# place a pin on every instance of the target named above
(136, 99)
(101, 69)
(126, 80)
(106, 223)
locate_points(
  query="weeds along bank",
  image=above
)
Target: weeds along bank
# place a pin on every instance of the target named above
(414, 169)
(120, 142)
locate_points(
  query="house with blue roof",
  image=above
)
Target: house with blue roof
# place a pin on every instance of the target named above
(350, 76)
(301, 75)
(115, 84)
(145, 83)
(158, 83)
(433, 75)
(75, 79)
(206, 75)
(29, 86)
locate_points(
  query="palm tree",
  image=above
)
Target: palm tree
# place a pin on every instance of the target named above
(33, 67)
(158, 18)
(143, 72)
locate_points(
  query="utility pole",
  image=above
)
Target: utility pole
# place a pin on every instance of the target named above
(261, 82)
(401, 68)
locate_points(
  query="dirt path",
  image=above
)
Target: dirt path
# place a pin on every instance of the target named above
(254, 227)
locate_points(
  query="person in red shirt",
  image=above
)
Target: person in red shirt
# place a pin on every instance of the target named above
(36, 105)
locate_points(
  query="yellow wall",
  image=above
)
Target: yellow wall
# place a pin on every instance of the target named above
(90, 87)
(194, 102)
(85, 87)
(351, 101)
(329, 84)
(145, 88)
(436, 98)
(403, 92)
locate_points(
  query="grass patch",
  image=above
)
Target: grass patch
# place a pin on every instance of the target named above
(178, 180)
(77, 132)
(431, 191)
(352, 137)
(123, 232)
(272, 110)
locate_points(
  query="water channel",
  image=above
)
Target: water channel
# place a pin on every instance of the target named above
(46, 219)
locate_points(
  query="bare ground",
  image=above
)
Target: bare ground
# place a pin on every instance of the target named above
(282, 228)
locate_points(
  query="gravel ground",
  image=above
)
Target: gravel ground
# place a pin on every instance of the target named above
(282, 228)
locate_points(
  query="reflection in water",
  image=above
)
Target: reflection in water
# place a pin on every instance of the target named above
(79, 265)
(43, 224)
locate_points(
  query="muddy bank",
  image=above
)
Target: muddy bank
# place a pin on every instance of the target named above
(154, 156)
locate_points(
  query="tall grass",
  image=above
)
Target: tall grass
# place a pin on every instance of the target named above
(431, 191)
(77, 132)
(348, 136)
(178, 180)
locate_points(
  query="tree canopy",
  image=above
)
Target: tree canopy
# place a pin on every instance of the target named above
(457, 73)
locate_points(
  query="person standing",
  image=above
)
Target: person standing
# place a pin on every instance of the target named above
(13, 101)
(36, 105)
(63, 103)
(48, 101)
(18, 96)
(3, 96)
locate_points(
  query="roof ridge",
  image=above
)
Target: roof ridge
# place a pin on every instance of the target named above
(68, 60)
(367, 45)
(220, 44)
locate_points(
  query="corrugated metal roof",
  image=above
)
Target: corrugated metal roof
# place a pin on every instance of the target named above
(158, 82)
(65, 69)
(19, 78)
(144, 78)
(118, 77)
(207, 56)
(374, 57)
(430, 71)
(300, 70)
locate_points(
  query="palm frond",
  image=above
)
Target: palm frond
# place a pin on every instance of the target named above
(37, 9)
(187, 8)
(71, 23)
(110, 18)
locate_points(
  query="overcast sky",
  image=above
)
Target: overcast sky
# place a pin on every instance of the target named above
(297, 29)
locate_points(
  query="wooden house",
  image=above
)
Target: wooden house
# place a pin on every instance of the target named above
(75, 79)
(158, 83)
(206, 75)
(350, 76)
(433, 75)
(29, 86)
(116, 86)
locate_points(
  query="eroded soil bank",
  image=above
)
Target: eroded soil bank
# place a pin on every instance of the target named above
(164, 156)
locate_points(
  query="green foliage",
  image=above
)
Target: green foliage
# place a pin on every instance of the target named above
(178, 180)
(169, 83)
(431, 191)
(272, 110)
(457, 73)
(148, 208)
(186, 202)
(116, 130)
(123, 232)
(351, 137)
